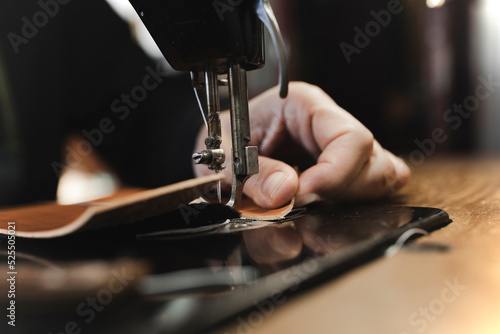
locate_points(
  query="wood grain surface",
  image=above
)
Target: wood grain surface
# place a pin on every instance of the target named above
(417, 291)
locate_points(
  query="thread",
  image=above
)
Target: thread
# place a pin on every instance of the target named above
(199, 103)
(394, 249)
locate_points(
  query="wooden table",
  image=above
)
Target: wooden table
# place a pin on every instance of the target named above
(457, 291)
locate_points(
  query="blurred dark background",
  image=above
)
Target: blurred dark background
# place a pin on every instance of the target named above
(399, 79)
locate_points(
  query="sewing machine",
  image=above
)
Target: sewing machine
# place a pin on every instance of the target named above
(210, 38)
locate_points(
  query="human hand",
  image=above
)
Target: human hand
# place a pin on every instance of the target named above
(348, 164)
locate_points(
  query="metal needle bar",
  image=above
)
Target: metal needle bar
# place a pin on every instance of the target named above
(245, 158)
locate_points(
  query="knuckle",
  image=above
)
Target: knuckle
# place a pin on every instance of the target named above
(366, 139)
(388, 177)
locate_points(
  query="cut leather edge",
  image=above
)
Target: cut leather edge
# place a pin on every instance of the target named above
(121, 210)
(252, 211)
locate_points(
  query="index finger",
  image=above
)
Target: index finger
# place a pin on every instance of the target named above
(344, 145)
(338, 165)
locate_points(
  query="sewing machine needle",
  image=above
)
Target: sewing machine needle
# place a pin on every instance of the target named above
(219, 190)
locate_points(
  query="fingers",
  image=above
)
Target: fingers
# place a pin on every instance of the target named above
(341, 161)
(403, 172)
(274, 186)
(274, 119)
(381, 175)
(350, 164)
(341, 144)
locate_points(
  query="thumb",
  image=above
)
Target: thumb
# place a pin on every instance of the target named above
(274, 186)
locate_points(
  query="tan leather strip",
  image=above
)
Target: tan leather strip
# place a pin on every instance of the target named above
(52, 220)
(250, 210)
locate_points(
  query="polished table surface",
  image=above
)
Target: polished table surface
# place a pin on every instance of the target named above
(449, 282)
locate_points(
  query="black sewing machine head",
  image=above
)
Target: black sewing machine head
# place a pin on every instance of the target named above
(209, 38)
(195, 35)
